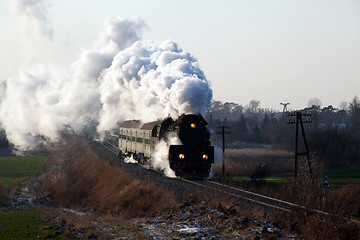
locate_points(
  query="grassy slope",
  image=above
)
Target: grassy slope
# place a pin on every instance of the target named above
(15, 169)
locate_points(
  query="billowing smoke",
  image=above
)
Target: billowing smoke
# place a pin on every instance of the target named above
(42, 99)
(35, 14)
(152, 80)
(161, 155)
(121, 77)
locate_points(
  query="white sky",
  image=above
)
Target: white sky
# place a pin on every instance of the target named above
(272, 51)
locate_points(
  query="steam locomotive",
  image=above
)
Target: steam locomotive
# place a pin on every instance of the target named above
(191, 159)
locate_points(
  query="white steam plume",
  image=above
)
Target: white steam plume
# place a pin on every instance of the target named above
(160, 158)
(35, 13)
(120, 78)
(152, 80)
(43, 99)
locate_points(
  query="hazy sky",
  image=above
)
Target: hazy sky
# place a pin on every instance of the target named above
(272, 51)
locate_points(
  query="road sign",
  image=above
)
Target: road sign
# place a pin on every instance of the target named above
(325, 183)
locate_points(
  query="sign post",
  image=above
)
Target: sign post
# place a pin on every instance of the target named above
(325, 184)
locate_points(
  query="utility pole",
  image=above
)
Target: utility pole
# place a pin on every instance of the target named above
(223, 132)
(300, 121)
(285, 108)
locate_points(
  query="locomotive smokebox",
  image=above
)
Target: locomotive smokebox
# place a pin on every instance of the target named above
(192, 130)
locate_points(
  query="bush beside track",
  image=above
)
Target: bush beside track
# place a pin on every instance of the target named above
(86, 181)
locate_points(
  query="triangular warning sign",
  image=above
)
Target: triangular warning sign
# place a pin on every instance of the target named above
(325, 183)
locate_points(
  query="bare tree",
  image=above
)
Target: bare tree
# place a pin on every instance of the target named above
(253, 106)
(314, 102)
(354, 107)
(344, 105)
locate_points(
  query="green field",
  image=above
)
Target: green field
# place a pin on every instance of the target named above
(20, 224)
(343, 176)
(337, 177)
(15, 169)
(29, 224)
(17, 223)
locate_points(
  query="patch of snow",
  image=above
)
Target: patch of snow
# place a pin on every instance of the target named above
(189, 229)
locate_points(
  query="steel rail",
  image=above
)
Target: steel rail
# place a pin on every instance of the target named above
(111, 144)
(281, 201)
(255, 194)
(111, 150)
(236, 195)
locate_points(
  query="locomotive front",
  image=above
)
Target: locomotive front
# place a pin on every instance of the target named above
(195, 156)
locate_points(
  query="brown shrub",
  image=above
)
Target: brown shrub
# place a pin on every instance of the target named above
(318, 227)
(243, 162)
(345, 201)
(87, 181)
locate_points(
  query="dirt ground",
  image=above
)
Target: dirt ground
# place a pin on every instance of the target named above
(191, 217)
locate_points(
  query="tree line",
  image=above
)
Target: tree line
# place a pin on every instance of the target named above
(333, 134)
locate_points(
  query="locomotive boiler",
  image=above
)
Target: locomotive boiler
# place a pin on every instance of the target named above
(190, 159)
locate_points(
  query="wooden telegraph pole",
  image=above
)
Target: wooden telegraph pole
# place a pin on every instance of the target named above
(223, 132)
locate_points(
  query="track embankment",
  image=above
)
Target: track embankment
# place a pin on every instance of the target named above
(210, 187)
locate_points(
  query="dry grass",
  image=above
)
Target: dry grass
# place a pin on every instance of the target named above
(312, 226)
(257, 154)
(86, 181)
(345, 201)
(339, 202)
(242, 162)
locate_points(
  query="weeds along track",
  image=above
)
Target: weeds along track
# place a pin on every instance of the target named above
(254, 197)
(265, 201)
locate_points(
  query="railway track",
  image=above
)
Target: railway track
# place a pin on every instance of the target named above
(109, 146)
(242, 194)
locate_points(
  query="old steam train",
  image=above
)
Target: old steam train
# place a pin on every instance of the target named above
(193, 158)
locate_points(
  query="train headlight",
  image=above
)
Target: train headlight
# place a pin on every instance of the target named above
(193, 125)
(181, 156)
(205, 157)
